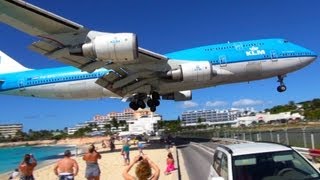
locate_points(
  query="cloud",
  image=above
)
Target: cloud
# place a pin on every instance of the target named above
(247, 102)
(31, 117)
(189, 104)
(216, 103)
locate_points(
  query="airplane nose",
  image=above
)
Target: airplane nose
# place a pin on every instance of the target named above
(307, 60)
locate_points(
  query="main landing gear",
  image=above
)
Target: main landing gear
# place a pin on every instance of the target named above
(152, 102)
(282, 87)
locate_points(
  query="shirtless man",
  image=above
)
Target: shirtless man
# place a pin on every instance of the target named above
(27, 166)
(91, 157)
(66, 167)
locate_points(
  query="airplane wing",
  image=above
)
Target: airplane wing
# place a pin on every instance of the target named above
(59, 37)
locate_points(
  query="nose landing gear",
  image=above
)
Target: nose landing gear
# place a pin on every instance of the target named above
(282, 86)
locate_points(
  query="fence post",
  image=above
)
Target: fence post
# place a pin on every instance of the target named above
(251, 135)
(278, 138)
(244, 136)
(304, 136)
(312, 141)
(287, 138)
(271, 135)
(258, 137)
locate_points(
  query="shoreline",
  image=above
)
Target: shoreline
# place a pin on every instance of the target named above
(67, 141)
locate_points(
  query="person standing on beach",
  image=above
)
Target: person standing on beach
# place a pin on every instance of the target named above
(27, 166)
(91, 158)
(66, 168)
(125, 152)
(143, 169)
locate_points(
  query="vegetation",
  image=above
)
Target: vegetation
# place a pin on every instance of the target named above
(310, 109)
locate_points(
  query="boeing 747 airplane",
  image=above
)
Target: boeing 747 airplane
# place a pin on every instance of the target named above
(112, 65)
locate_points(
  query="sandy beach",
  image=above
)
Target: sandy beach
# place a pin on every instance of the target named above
(111, 163)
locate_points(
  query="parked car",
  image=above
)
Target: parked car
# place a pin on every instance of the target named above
(260, 161)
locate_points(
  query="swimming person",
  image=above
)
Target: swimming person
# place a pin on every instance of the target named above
(66, 168)
(91, 157)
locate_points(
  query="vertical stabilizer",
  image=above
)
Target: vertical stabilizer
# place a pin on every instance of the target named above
(9, 65)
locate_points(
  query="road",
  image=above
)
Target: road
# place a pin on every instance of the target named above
(198, 156)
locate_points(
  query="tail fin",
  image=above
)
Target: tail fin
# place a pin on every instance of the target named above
(9, 65)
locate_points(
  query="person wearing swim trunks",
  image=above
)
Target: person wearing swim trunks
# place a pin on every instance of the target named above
(66, 168)
(91, 157)
(27, 166)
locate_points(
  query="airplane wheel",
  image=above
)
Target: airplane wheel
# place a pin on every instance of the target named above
(150, 103)
(133, 106)
(156, 102)
(281, 88)
(141, 104)
(153, 109)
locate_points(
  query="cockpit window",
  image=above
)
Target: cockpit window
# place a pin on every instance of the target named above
(285, 41)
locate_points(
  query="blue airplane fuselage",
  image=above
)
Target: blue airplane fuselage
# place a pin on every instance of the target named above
(246, 61)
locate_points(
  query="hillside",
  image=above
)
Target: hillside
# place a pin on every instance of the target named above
(310, 109)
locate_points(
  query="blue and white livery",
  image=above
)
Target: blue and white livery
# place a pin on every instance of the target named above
(112, 65)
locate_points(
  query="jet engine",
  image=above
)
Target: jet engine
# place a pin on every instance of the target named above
(117, 47)
(195, 71)
(178, 96)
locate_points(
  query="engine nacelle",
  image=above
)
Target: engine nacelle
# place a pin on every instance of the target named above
(178, 96)
(195, 71)
(118, 47)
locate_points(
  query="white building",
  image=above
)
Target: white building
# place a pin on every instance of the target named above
(268, 118)
(10, 130)
(145, 124)
(209, 117)
(100, 126)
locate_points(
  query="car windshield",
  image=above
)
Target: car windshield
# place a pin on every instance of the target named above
(272, 166)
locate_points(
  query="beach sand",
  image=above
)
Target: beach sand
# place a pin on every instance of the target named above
(112, 165)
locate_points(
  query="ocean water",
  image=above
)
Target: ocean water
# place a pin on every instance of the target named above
(11, 157)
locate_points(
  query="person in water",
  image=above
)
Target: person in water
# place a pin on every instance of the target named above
(91, 157)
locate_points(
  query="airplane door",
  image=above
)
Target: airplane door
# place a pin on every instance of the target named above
(273, 56)
(223, 60)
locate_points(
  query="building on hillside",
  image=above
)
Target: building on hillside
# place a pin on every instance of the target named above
(99, 121)
(10, 130)
(145, 124)
(210, 117)
(262, 118)
(97, 126)
(126, 115)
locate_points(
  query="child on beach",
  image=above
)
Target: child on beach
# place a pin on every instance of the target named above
(14, 175)
(170, 164)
